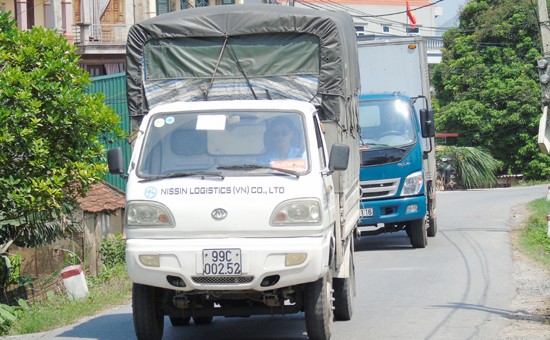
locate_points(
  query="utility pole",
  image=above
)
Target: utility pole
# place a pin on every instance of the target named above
(544, 73)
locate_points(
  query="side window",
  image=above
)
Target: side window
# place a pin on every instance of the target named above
(320, 144)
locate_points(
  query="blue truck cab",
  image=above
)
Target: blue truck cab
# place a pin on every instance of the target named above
(394, 148)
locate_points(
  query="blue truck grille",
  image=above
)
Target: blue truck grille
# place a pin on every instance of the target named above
(379, 189)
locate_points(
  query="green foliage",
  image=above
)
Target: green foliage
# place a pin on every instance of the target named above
(50, 133)
(10, 314)
(58, 310)
(112, 251)
(475, 168)
(487, 85)
(10, 266)
(534, 239)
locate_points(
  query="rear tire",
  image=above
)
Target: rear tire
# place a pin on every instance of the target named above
(419, 236)
(344, 291)
(318, 308)
(147, 312)
(432, 229)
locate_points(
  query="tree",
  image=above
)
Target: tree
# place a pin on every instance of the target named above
(50, 134)
(474, 168)
(487, 86)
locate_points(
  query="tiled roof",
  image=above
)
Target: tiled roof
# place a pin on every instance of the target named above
(102, 197)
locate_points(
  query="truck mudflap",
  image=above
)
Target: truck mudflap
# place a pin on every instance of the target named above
(392, 210)
(227, 264)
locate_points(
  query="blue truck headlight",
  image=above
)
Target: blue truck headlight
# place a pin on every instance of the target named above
(297, 212)
(413, 184)
(148, 214)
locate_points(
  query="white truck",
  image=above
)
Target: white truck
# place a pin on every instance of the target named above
(214, 227)
(398, 168)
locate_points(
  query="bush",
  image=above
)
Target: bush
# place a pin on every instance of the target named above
(113, 251)
(474, 167)
(10, 314)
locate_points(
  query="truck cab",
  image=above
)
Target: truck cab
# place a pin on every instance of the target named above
(392, 177)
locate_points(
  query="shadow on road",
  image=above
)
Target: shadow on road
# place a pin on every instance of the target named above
(512, 315)
(391, 241)
(290, 327)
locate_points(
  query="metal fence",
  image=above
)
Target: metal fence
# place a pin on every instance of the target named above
(113, 88)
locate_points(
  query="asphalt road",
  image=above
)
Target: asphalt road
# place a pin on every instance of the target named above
(459, 287)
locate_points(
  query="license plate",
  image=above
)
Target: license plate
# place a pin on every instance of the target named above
(216, 262)
(367, 212)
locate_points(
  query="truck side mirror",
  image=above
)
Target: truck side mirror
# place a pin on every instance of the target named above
(115, 161)
(427, 122)
(339, 157)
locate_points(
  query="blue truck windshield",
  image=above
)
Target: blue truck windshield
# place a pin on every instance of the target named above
(385, 124)
(224, 143)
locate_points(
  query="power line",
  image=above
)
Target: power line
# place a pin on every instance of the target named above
(403, 12)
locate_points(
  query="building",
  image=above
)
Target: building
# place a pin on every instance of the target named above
(377, 19)
(99, 27)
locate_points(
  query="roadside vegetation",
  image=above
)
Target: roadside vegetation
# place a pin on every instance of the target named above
(534, 240)
(52, 135)
(110, 288)
(487, 86)
(465, 167)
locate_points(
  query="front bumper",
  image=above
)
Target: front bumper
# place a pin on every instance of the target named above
(393, 210)
(260, 257)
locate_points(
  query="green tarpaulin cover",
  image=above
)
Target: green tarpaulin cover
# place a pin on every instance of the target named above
(244, 52)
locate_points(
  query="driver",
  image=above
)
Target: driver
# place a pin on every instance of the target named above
(278, 143)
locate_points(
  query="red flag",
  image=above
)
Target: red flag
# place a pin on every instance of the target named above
(411, 16)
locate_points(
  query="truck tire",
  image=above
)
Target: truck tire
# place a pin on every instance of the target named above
(147, 312)
(177, 321)
(344, 291)
(318, 308)
(418, 233)
(432, 226)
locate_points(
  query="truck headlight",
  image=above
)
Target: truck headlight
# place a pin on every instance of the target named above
(413, 184)
(148, 214)
(297, 212)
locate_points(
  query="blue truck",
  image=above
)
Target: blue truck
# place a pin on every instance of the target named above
(398, 170)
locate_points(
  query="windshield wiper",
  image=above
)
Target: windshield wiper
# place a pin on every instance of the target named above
(400, 148)
(184, 174)
(258, 166)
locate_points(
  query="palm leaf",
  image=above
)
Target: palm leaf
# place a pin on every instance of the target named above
(475, 167)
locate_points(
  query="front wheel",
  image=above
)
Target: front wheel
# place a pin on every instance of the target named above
(432, 228)
(418, 233)
(318, 308)
(147, 312)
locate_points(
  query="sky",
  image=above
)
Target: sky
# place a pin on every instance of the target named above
(450, 12)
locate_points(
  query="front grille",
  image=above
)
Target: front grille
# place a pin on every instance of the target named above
(379, 189)
(222, 280)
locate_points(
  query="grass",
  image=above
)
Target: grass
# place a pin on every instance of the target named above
(534, 240)
(112, 288)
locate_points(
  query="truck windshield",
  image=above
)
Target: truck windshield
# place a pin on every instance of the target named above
(225, 143)
(386, 123)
